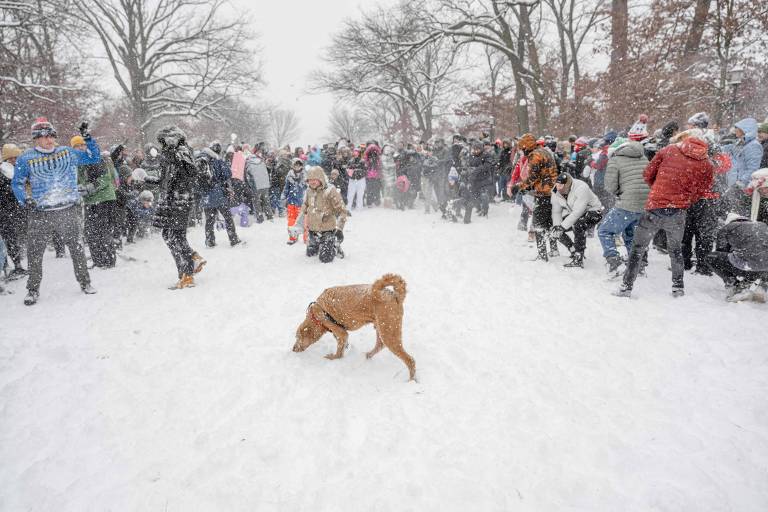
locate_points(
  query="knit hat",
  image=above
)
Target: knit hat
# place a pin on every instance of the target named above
(639, 130)
(699, 120)
(10, 151)
(527, 143)
(763, 128)
(77, 140)
(146, 195)
(42, 128)
(609, 137)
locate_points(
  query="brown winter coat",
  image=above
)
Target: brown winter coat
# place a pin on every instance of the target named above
(542, 173)
(323, 208)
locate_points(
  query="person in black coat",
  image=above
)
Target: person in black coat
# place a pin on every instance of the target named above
(479, 172)
(741, 255)
(180, 178)
(13, 218)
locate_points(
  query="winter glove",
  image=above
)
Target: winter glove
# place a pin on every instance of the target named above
(557, 232)
(30, 204)
(85, 132)
(86, 190)
(339, 235)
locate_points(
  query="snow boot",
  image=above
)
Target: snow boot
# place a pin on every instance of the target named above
(678, 291)
(88, 289)
(186, 281)
(31, 298)
(291, 241)
(554, 252)
(541, 246)
(577, 261)
(199, 263)
(614, 263)
(623, 291)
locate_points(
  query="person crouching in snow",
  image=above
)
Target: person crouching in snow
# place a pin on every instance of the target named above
(324, 215)
(293, 195)
(583, 211)
(741, 258)
(179, 180)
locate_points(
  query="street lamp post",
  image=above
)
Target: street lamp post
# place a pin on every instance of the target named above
(735, 77)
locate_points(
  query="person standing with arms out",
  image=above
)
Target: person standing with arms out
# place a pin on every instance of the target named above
(54, 202)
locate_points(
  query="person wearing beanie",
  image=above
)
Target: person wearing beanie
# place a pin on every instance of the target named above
(257, 177)
(762, 137)
(740, 258)
(54, 201)
(574, 208)
(216, 196)
(679, 175)
(13, 218)
(639, 130)
(293, 195)
(542, 173)
(746, 155)
(699, 120)
(624, 180)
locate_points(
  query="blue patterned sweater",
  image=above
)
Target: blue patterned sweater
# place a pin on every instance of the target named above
(52, 175)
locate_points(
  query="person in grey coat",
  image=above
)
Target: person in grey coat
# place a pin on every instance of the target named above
(574, 207)
(258, 179)
(741, 256)
(624, 179)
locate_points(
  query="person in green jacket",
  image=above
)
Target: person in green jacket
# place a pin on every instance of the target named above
(96, 183)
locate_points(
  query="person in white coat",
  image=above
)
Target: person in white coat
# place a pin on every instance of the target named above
(574, 208)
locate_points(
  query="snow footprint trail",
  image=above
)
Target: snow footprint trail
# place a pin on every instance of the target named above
(537, 389)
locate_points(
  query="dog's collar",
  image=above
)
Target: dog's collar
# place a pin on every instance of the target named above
(327, 317)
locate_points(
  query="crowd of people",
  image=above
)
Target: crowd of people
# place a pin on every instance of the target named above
(698, 194)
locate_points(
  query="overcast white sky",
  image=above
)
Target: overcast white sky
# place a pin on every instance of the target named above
(294, 34)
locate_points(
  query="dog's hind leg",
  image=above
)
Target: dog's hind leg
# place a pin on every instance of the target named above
(377, 348)
(390, 334)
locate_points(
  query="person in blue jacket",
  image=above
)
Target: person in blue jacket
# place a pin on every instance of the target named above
(54, 201)
(745, 155)
(216, 200)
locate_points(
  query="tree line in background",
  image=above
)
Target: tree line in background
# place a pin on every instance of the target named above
(558, 66)
(403, 72)
(187, 62)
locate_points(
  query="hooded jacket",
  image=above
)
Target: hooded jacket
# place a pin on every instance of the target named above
(745, 155)
(624, 177)
(372, 159)
(323, 208)
(747, 244)
(256, 172)
(542, 172)
(578, 200)
(679, 175)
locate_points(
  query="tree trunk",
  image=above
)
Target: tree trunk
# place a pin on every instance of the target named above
(619, 51)
(696, 31)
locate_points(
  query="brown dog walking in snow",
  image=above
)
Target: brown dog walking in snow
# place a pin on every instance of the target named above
(341, 309)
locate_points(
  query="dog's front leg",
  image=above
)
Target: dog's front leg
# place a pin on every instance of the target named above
(341, 343)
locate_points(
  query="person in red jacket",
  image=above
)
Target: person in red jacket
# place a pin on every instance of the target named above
(679, 175)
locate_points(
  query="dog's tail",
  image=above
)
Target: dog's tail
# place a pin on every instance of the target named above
(395, 281)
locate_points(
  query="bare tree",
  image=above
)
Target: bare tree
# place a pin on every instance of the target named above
(416, 80)
(349, 123)
(37, 76)
(283, 127)
(173, 58)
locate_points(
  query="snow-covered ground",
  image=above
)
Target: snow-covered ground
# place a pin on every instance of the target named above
(538, 390)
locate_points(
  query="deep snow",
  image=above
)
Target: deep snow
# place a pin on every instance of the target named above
(537, 389)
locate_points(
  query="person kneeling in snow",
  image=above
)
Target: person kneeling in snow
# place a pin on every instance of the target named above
(741, 258)
(583, 211)
(324, 213)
